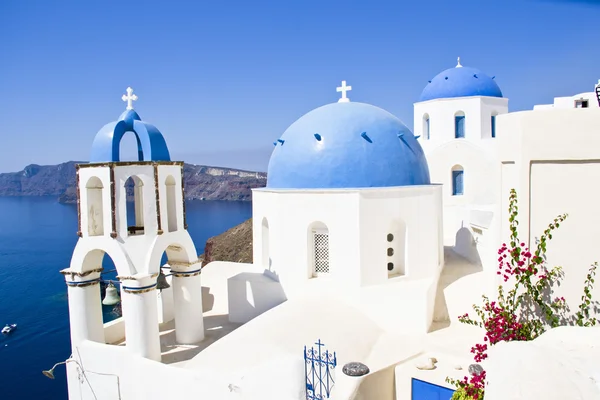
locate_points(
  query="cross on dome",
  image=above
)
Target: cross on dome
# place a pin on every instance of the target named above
(344, 89)
(129, 98)
(458, 63)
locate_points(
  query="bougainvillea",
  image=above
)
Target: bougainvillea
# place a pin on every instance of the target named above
(526, 310)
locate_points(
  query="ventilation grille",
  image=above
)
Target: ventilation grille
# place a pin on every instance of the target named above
(321, 253)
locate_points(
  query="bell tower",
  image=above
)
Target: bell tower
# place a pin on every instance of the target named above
(135, 236)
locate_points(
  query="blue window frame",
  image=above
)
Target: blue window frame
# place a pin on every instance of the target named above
(422, 390)
(493, 126)
(457, 182)
(459, 126)
(427, 128)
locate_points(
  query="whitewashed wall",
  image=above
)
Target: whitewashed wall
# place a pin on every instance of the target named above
(478, 112)
(468, 218)
(551, 158)
(358, 222)
(569, 101)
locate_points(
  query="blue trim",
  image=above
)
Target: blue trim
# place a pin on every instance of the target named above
(136, 289)
(459, 126)
(427, 128)
(493, 126)
(185, 272)
(75, 283)
(457, 183)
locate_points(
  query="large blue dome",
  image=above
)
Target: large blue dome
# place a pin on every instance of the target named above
(460, 82)
(347, 145)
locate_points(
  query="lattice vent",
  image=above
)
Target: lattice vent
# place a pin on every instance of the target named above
(321, 241)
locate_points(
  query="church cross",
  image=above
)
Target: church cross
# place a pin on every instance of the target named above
(458, 63)
(129, 98)
(344, 89)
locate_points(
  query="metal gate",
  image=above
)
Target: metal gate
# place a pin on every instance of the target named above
(319, 366)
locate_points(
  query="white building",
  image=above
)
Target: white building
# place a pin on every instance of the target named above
(367, 237)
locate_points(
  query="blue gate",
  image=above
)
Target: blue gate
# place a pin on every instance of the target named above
(318, 367)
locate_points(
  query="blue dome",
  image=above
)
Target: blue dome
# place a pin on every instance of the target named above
(151, 143)
(460, 82)
(347, 145)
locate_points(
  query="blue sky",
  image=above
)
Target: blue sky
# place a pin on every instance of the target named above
(223, 79)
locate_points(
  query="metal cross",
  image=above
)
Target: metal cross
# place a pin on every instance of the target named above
(129, 98)
(458, 63)
(319, 345)
(344, 89)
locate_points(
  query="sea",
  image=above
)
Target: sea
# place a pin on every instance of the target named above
(37, 237)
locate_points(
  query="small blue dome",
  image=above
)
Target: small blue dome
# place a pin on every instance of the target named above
(151, 143)
(347, 145)
(460, 82)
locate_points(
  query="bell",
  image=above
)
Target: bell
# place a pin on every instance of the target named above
(161, 281)
(112, 295)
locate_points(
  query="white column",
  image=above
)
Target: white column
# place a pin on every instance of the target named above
(85, 307)
(187, 298)
(140, 311)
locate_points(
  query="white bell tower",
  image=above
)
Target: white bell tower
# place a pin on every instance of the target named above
(135, 238)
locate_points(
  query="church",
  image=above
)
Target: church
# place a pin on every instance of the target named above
(369, 240)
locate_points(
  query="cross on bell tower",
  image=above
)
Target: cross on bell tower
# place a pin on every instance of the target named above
(129, 98)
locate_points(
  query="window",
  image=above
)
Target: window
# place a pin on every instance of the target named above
(493, 126)
(457, 181)
(396, 248)
(459, 125)
(318, 243)
(581, 103)
(426, 126)
(266, 257)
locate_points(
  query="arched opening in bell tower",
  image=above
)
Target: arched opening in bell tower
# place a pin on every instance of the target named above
(95, 206)
(171, 203)
(134, 188)
(130, 147)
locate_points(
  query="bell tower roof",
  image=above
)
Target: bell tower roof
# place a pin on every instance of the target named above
(150, 141)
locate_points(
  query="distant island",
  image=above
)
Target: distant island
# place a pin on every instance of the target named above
(201, 182)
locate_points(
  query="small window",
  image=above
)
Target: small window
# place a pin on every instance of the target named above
(390, 266)
(390, 252)
(457, 182)
(426, 126)
(581, 103)
(493, 126)
(459, 126)
(390, 237)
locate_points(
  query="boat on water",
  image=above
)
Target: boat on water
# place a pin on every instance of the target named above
(9, 328)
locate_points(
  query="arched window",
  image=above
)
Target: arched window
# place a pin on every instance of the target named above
(493, 124)
(426, 126)
(135, 211)
(457, 180)
(95, 207)
(171, 204)
(318, 242)
(396, 248)
(459, 125)
(266, 256)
